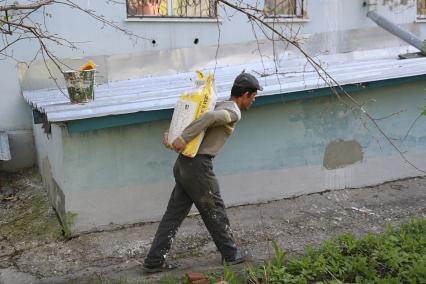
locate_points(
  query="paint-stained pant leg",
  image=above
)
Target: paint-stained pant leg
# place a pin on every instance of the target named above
(201, 185)
(177, 209)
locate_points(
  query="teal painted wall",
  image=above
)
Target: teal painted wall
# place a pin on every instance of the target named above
(294, 134)
(117, 157)
(270, 137)
(123, 175)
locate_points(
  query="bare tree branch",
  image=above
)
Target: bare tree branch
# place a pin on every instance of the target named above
(411, 127)
(30, 6)
(21, 26)
(334, 86)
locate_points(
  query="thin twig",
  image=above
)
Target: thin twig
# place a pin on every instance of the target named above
(411, 127)
(218, 46)
(30, 6)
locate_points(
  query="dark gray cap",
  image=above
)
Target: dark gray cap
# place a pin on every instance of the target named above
(246, 80)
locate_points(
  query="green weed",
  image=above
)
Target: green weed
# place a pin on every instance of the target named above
(398, 255)
(395, 256)
(67, 224)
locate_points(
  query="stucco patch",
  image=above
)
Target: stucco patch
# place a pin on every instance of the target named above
(340, 153)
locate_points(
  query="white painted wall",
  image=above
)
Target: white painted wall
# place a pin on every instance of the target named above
(323, 15)
(15, 119)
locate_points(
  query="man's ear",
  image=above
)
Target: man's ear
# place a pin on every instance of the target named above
(246, 94)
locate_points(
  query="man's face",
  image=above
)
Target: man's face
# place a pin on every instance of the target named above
(247, 100)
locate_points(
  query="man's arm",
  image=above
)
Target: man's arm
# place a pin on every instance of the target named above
(208, 119)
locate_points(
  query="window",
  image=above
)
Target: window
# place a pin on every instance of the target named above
(421, 9)
(285, 8)
(171, 8)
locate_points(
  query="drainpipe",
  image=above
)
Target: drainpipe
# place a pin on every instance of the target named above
(394, 29)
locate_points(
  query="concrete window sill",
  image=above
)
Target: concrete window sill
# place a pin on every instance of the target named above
(420, 20)
(286, 20)
(173, 20)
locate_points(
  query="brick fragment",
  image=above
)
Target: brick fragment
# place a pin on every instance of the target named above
(196, 278)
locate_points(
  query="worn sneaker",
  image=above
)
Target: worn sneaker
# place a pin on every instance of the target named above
(240, 257)
(165, 266)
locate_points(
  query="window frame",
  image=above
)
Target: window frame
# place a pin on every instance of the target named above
(421, 17)
(299, 14)
(172, 17)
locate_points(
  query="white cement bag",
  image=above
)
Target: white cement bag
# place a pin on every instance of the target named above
(191, 105)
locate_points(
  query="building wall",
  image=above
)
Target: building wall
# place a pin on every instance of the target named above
(324, 16)
(15, 119)
(124, 174)
(333, 26)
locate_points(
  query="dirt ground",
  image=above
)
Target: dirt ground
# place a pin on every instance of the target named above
(32, 249)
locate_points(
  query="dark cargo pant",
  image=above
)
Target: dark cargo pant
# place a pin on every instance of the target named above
(195, 183)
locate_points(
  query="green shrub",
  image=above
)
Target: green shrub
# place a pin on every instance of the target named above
(398, 255)
(395, 256)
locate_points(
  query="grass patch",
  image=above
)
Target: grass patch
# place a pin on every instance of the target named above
(30, 220)
(25, 219)
(68, 223)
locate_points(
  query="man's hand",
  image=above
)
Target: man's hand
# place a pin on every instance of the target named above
(166, 141)
(178, 145)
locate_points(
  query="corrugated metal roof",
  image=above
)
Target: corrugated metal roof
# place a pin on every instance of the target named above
(154, 93)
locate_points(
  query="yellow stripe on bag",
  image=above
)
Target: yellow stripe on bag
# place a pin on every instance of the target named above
(203, 99)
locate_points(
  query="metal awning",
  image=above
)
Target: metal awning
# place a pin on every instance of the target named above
(294, 75)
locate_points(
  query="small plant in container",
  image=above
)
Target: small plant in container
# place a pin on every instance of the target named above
(80, 83)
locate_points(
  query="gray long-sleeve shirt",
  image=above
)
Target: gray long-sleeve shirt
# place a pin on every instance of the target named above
(219, 125)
